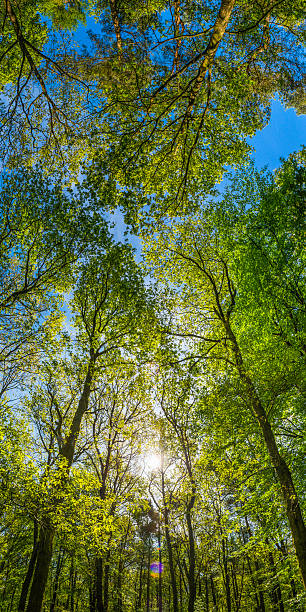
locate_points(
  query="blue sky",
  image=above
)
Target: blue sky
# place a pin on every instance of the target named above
(285, 133)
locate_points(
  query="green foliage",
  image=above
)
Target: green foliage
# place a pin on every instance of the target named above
(149, 412)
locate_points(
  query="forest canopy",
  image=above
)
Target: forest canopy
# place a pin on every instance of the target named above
(152, 397)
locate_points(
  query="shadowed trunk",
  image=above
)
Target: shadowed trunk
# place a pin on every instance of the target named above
(43, 560)
(59, 566)
(148, 579)
(29, 574)
(191, 569)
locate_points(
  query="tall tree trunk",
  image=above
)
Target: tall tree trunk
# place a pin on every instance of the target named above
(235, 588)
(276, 594)
(206, 594)
(73, 588)
(148, 578)
(99, 585)
(43, 560)
(261, 604)
(139, 598)
(44, 554)
(213, 592)
(119, 586)
(170, 557)
(160, 590)
(181, 591)
(12, 599)
(260, 583)
(191, 569)
(120, 568)
(292, 505)
(106, 581)
(59, 566)
(226, 576)
(91, 599)
(30, 570)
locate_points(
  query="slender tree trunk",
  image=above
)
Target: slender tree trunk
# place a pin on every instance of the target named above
(226, 576)
(261, 604)
(12, 599)
(91, 599)
(206, 594)
(213, 592)
(262, 607)
(73, 588)
(181, 591)
(160, 576)
(293, 509)
(170, 559)
(119, 586)
(56, 580)
(120, 568)
(43, 560)
(285, 556)
(139, 598)
(235, 587)
(106, 581)
(30, 570)
(99, 585)
(276, 594)
(148, 579)
(191, 569)
(70, 597)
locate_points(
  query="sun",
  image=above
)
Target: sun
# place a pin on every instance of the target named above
(151, 462)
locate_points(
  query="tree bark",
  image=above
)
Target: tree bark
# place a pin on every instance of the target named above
(206, 594)
(148, 579)
(99, 585)
(213, 592)
(276, 594)
(106, 581)
(139, 598)
(170, 559)
(117, 28)
(191, 569)
(30, 570)
(44, 556)
(226, 576)
(56, 580)
(218, 32)
(160, 590)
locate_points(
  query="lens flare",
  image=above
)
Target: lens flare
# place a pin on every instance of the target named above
(156, 569)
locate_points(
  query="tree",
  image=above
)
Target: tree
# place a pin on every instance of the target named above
(210, 88)
(106, 300)
(210, 295)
